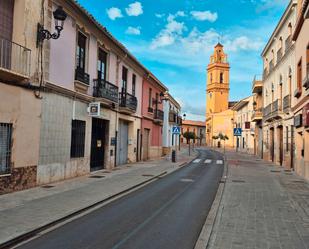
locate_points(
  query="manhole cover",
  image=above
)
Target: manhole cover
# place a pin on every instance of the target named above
(275, 171)
(96, 176)
(47, 186)
(239, 181)
(186, 180)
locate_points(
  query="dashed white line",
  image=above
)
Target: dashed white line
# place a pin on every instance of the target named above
(219, 162)
(208, 161)
(197, 160)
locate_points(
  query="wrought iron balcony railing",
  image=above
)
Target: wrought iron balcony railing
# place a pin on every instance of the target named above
(128, 101)
(104, 89)
(159, 115)
(286, 102)
(267, 110)
(81, 76)
(288, 43)
(14, 57)
(279, 55)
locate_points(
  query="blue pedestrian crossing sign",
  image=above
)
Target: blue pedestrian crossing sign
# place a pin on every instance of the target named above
(237, 132)
(176, 130)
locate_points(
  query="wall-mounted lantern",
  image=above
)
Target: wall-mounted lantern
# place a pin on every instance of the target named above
(43, 34)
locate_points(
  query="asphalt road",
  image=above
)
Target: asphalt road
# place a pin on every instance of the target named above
(166, 214)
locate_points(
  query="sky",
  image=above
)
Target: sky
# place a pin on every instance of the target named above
(175, 38)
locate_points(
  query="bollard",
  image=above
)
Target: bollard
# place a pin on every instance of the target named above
(174, 156)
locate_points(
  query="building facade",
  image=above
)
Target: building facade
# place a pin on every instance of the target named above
(70, 105)
(219, 116)
(301, 93)
(153, 117)
(198, 128)
(20, 103)
(172, 110)
(278, 84)
(243, 118)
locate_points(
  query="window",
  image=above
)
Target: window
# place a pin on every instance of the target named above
(210, 95)
(221, 77)
(307, 59)
(6, 19)
(5, 147)
(299, 75)
(150, 98)
(81, 51)
(133, 84)
(211, 78)
(124, 79)
(78, 138)
(287, 138)
(290, 29)
(102, 64)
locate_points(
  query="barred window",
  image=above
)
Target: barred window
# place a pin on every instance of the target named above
(5, 147)
(78, 138)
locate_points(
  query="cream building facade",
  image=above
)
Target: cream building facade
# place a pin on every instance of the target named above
(301, 93)
(278, 85)
(243, 118)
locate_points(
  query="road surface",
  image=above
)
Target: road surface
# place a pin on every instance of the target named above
(165, 214)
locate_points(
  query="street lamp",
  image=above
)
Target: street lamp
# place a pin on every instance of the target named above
(43, 34)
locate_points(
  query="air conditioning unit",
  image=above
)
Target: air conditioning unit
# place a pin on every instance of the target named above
(94, 109)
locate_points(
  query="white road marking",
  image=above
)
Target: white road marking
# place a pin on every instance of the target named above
(208, 161)
(186, 180)
(219, 162)
(197, 160)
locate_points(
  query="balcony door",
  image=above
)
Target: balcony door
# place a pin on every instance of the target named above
(102, 58)
(124, 79)
(6, 30)
(81, 53)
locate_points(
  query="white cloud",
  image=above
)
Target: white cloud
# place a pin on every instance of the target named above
(159, 15)
(244, 43)
(114, 13)
(133, 30)
(134, 9)
(204, 15)
(172, 30)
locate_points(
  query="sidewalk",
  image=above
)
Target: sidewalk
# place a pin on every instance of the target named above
(22, 212)
(263, 206)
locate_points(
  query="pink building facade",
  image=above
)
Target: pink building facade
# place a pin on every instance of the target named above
(153, 116)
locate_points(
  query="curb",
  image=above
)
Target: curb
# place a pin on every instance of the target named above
(34, 232)
(207, 230)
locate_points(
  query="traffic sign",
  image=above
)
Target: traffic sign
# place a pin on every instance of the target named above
(237, 132)
(176, 130)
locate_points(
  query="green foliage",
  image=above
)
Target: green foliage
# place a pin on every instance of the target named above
(189, 135)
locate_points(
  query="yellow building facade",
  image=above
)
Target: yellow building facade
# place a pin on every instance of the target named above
(219, 116)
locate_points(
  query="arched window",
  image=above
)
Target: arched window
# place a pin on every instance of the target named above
(280, 42)
(210, 77)
(280, 79)
(290, 29)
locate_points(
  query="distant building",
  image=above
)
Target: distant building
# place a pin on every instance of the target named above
(219, 115)
(198, 128)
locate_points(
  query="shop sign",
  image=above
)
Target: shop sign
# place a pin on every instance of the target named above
(94, 109)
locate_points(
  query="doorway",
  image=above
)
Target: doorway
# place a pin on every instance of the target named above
(122, 142)
(146, 144)
(280, 142)
(272, 144)
(98, 143)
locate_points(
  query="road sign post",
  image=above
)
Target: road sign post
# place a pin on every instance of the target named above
(175, 132)
(237, 133)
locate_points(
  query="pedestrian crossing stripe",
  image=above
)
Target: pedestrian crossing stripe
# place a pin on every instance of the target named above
(207, 161)
(196, 160)
(219, 162)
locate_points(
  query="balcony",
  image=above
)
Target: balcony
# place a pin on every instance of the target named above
(128, 103)
(288, 43)
(179, 120)
(279, 55)
(158, 116)
(81, 76)
(257, 115)
(172, 117)
(106, 90)
(287, 103)
(306, 80)
(271, 66)
(15, 61)
(257, 85)
(273, 111)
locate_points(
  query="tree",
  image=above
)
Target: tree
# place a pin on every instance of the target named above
(188, 135)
